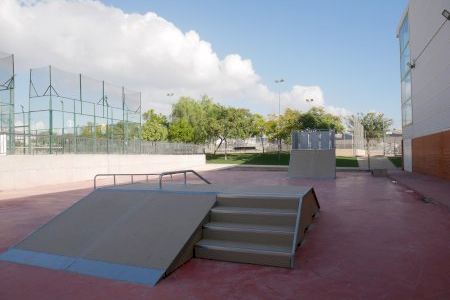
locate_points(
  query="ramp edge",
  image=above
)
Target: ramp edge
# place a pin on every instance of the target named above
(139, 275)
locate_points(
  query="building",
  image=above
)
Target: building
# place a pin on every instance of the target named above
(424, 37)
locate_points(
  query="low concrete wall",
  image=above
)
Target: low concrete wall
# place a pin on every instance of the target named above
(345, 152)
(312, 164)
(17, 172)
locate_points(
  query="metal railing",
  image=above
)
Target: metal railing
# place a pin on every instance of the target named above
(181, 172)
(122, 174)
(313, 139)
(161, 175)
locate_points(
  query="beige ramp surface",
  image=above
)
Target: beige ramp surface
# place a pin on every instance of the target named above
(140, 229)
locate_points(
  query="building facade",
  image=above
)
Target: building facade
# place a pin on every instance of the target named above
(424, 38)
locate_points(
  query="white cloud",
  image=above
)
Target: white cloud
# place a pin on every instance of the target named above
(141, 51)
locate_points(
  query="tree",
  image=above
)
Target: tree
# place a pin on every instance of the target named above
(375, 125)
(290, 121)
(272, 128)
(318, 118)
(192, 112)
(181, 131)
(155, 127)
(280, 128)
(233, 123)
(88, 130)
(259, 128)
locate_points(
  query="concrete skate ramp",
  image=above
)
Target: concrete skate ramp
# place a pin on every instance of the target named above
(130, 235)
(315, 164)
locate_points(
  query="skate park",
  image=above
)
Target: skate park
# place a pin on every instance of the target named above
(159, 151)
(165, 225)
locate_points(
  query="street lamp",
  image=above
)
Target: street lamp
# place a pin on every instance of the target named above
(279, 81)
(309, 100)
(170, 94)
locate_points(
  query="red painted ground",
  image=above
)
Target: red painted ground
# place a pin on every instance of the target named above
(372, 240)
(437, 189)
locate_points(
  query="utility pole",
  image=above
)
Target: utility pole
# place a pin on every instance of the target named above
(23, 127)
(62, 127)
(278, 81)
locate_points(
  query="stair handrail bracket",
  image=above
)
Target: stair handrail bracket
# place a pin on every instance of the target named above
(160, 175)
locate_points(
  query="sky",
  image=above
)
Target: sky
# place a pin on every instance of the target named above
(343, 54)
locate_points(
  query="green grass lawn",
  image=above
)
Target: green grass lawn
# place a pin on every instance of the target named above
(396, 160)
(268, 159)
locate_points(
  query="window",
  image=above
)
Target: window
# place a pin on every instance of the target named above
(405, 73)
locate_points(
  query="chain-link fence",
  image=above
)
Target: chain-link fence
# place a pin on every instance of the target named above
(349, 143)
(73, 113)
(67, 108)
(38, 143)
(6, 103)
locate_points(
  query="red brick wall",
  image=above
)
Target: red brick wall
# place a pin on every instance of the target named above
(431, 154)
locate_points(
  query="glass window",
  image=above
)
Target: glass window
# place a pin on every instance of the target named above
(406, 87)
(405, 71)
(404, 34)
(407, 113)
(404, 60)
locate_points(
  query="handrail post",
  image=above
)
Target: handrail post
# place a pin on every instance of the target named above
(146, 178)
(185, 179)
(132, 179)
(160, 180)
(95, 182)
(114, 176)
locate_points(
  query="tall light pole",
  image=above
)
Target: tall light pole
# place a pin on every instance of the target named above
(278, 82)
(62, 128)
(23, 124)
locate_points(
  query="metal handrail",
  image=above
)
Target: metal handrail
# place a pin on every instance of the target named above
(161, 175)
(181, 172)
(122, 174)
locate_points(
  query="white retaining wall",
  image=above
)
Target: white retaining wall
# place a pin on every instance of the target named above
(22, 171)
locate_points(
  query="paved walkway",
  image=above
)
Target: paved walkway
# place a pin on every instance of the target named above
(372, 239)
(376, 162)
(434, 188)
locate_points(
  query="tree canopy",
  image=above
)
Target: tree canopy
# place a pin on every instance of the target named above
(202, 121)
(315, 118)
(375, 125)
(155, 127)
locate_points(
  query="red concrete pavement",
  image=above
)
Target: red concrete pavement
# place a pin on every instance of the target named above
(434, 188)
(372, 240)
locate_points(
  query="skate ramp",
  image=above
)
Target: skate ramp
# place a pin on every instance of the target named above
(130, 235)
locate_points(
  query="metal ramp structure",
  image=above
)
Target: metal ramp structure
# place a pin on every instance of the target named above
(142, 232)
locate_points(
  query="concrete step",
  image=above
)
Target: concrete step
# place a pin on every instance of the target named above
(244, 252)
(254, 227)
(257, 216)
(257, 201)
(260, 236)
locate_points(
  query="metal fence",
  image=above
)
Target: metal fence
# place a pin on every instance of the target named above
(40, 144)
(6, 103)
(66, 109)
(313, 140)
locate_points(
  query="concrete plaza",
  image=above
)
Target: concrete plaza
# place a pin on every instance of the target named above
(372, 239)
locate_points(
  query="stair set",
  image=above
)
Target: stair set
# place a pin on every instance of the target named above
(256, 229)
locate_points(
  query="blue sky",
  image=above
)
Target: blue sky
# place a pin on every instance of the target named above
(342, 53)
(347, 47)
